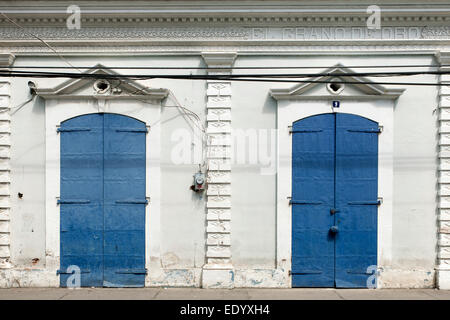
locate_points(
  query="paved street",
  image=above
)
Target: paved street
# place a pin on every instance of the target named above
(218, 294)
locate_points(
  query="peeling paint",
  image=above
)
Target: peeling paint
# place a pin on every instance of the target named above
(412, 279)
(169, 259)
(27, 278)
(174, 278)
(262, 278)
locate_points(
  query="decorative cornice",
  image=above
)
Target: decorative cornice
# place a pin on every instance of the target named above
(219, 59)
(6, 59)
(236, 20)
(225, 12)
(444, 58)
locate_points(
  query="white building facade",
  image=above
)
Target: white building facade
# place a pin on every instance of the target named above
(241, 231)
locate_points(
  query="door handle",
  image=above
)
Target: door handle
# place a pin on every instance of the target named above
(334, 229)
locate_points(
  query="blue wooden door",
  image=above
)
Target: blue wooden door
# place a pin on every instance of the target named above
(81, 199)
(102, 202)
(124, 201)
(356, 199)
(334, 198)
(312, 197)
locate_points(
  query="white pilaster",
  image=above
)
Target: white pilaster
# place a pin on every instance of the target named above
(443, 267)
(5, 156)
(218, 272)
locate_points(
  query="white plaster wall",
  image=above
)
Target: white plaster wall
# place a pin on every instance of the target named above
(253, 221)
(182, 215)
(28, 178)
(415, 183)
(175, 237)
(408, 257)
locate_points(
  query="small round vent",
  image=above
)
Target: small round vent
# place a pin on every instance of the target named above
(334, 87)
(101, 86)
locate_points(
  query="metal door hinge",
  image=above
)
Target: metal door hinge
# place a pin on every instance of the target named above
(365, 130)
(59, 129)
(132, 271)
(132, 201)
(136, 130)
(365, 203)
(304, 202)
(72, 201)
(59, 271)
(304, 131)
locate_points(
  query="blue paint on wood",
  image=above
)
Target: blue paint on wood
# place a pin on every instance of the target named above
(334, 200)
(101, 167)
(356, 182)
(312, 184)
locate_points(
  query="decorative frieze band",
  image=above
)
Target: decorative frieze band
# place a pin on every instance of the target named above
(293, 32)
(5, 154)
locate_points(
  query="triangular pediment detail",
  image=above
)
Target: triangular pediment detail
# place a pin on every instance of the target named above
(319, 87)
(91, 86)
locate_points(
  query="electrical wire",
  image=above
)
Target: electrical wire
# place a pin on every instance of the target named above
(264, 75)
(18, 107)
(235, 68)
(207, 77)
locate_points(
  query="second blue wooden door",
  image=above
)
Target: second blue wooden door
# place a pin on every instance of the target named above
(103, 200)
(334, 200)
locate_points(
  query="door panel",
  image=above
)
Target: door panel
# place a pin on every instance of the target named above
(356, 198)
(334, 184)
(103, 199)
(124, 183)
(81, 198)
(312, 198)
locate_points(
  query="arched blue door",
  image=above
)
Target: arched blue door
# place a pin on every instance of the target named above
(334, 200)
(102, 201)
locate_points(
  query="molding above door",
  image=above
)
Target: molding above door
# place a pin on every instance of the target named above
(365, 88)
(88, 87)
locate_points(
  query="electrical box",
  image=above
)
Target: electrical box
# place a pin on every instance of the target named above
(199, 182)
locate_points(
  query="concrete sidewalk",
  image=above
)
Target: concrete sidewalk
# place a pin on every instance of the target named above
(220, 294)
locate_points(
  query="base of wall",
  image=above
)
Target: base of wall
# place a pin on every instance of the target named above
(405, 279)
(18, 278)
(262, 278)
(218, 277)
(443, 279)
(174, 278)
(231, 278)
